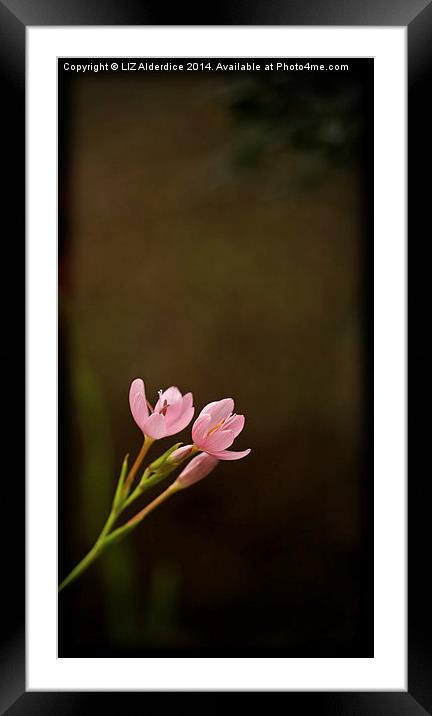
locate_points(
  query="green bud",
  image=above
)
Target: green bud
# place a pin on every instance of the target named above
(160, 461)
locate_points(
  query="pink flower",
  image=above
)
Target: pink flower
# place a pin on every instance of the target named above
(199, 467)
(215, 429)
(172, 412)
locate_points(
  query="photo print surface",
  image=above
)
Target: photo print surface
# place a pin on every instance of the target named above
(216, 236)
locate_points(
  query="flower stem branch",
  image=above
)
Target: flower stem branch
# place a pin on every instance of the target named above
(120, 503)
(105, 539)
(138, 518)
(135, 467)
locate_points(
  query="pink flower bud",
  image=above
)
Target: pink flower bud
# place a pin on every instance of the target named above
(199, 467)
(180, 454)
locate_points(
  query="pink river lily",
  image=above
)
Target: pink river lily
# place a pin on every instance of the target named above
(216, 428)
(172, 412)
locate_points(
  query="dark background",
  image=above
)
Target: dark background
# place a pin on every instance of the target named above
(215, 233)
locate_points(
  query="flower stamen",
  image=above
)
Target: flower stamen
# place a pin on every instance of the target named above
(216, 427)
(164, 408)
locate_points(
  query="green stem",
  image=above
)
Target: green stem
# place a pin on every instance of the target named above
(120, 503)
(94, 553)
(144, 485)
(109, 523)
(138, 518)
(105, 539)
(118, 496)
(99, 545)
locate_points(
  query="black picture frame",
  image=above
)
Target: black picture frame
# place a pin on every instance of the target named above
(15, 16)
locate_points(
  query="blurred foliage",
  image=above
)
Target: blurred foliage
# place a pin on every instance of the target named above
(162, 602)
(280, 112)
(96, 481)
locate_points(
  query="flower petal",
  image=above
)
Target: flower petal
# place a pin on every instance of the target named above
(139, 411)
(235, 424)
(219, 410)
(231, 454)
(139, 407)
(181, 423)
(187, 401)
(155, 427)
(200, 429)
(171, 395)
(220, 440)
(174, 412)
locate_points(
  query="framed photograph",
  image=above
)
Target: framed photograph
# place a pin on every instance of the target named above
(216, 437)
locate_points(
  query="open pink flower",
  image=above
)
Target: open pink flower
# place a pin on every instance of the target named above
(172, 412)
(216, 428)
